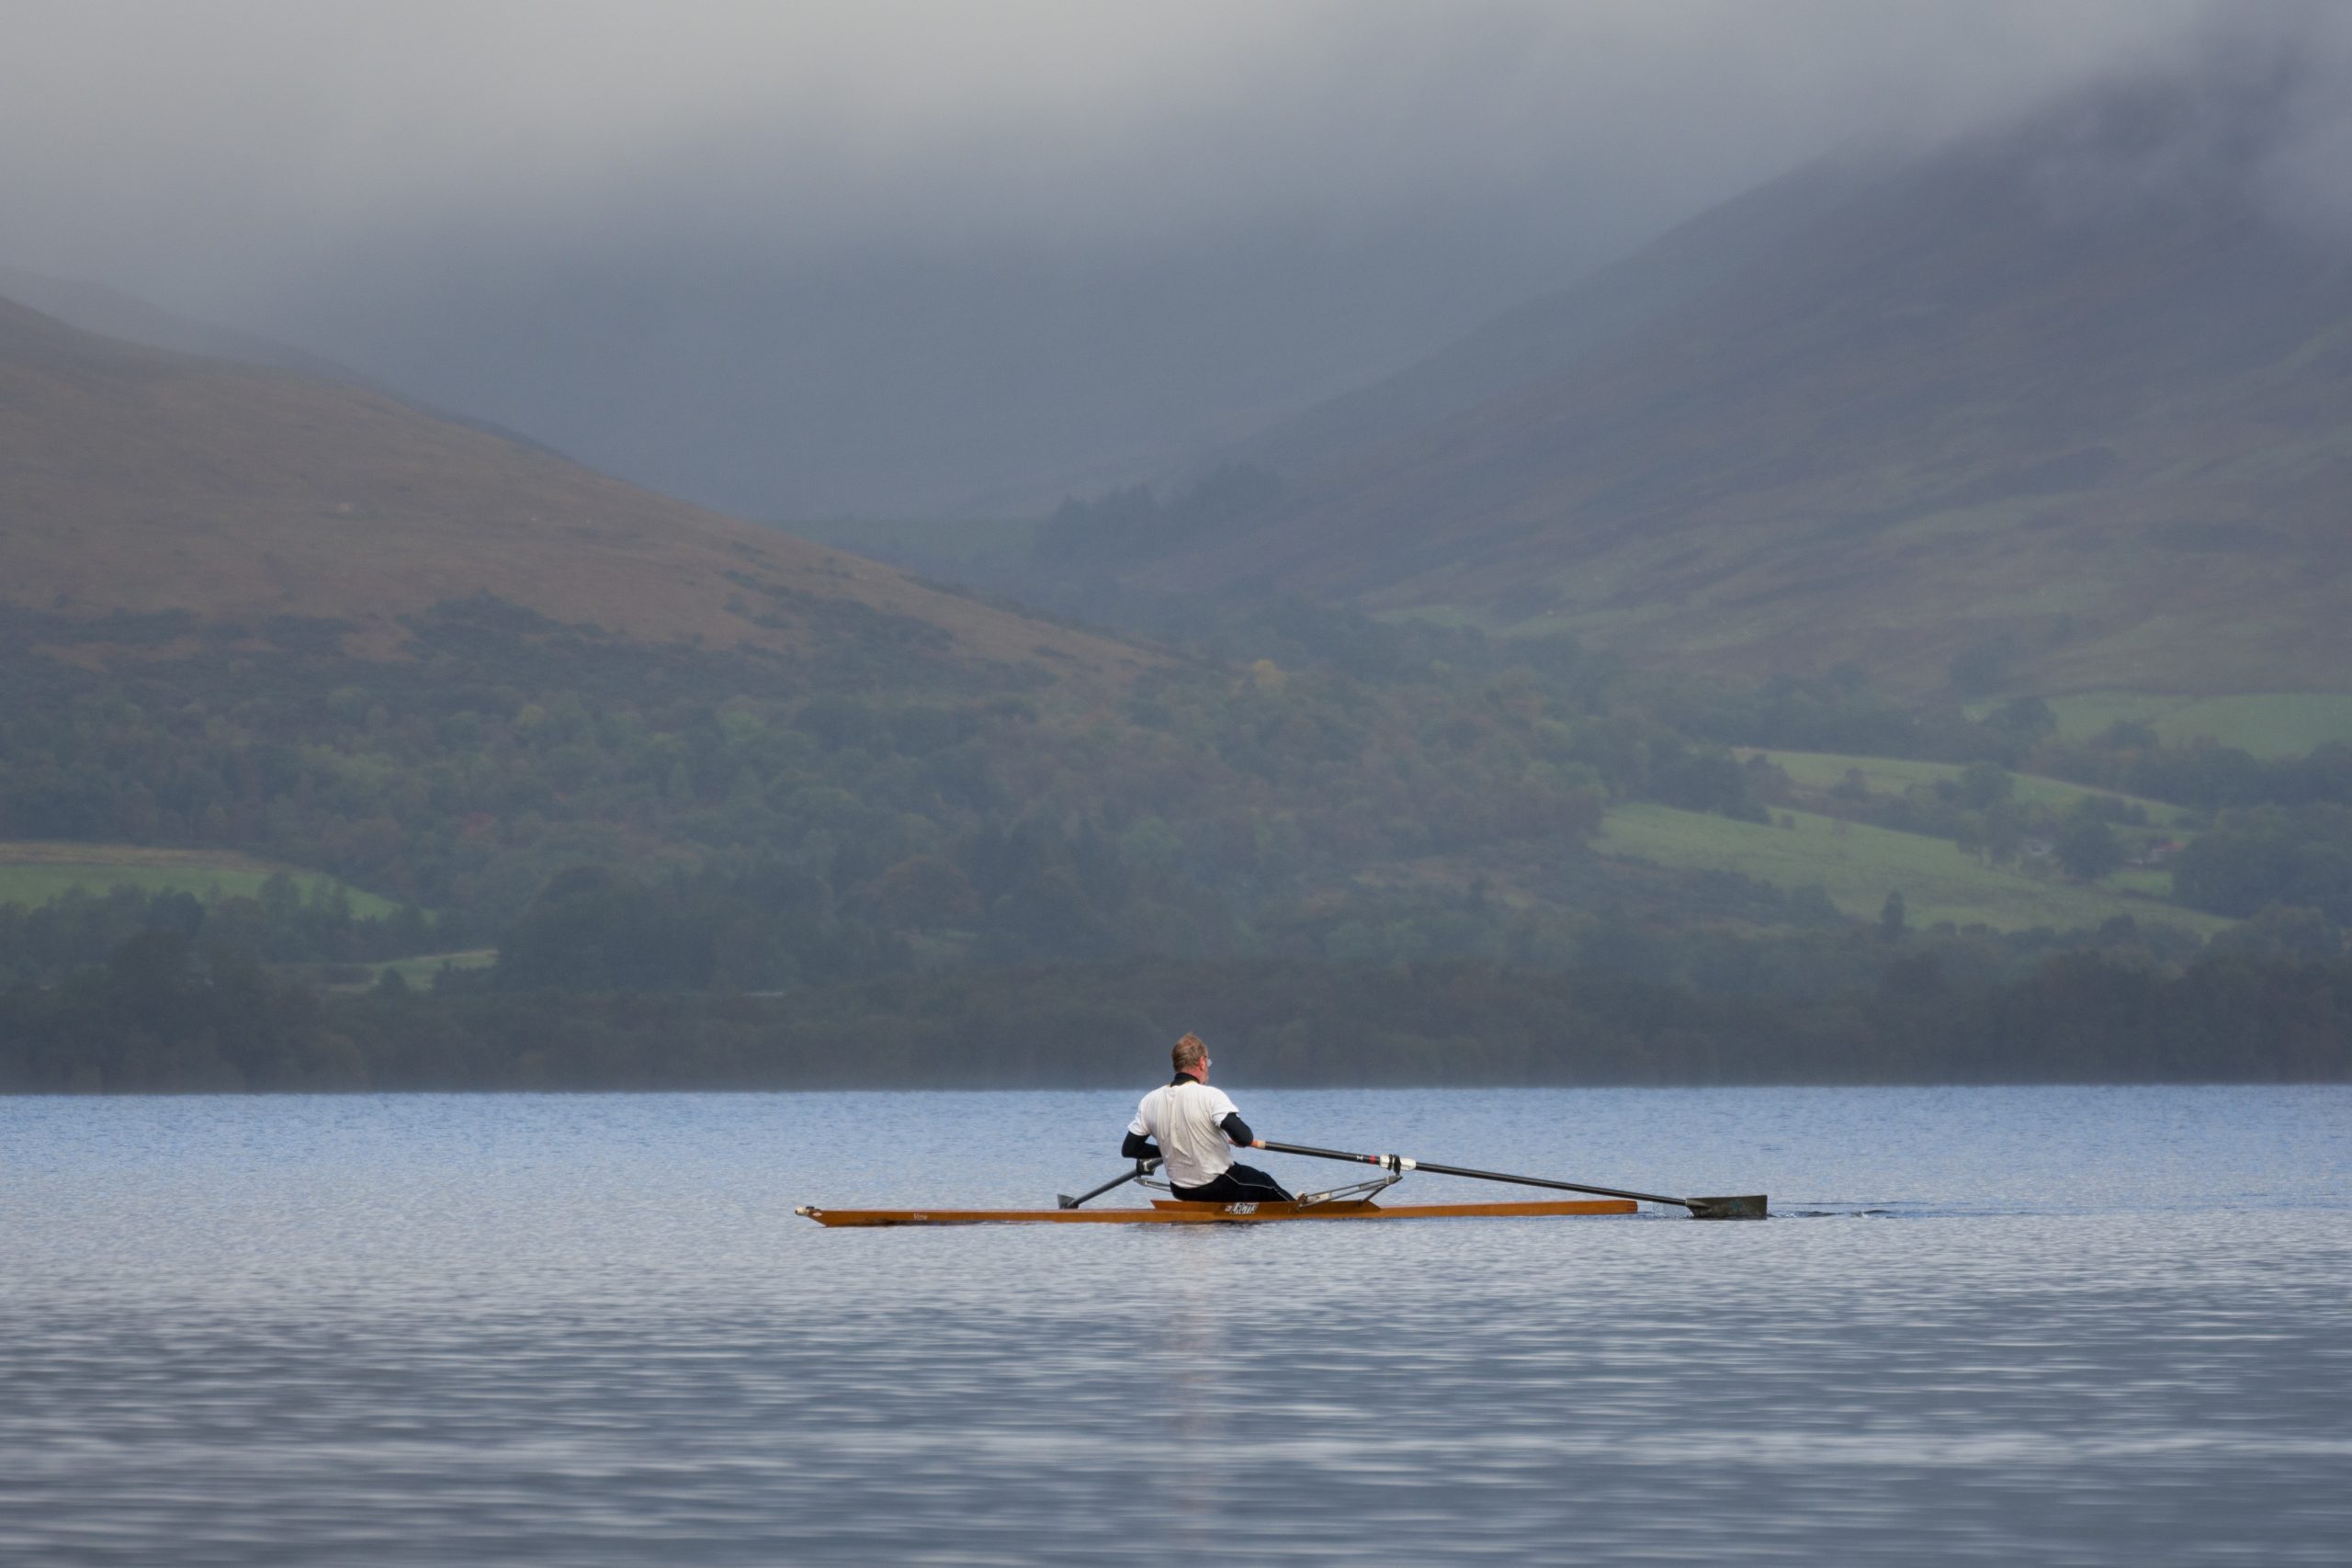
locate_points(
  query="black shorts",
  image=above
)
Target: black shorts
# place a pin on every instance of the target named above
(1242, 1184)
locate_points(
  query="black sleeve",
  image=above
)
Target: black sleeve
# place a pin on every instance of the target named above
(1236, 1128)
(1138, 1146)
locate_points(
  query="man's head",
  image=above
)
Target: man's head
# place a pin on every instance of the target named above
(1192, 1056)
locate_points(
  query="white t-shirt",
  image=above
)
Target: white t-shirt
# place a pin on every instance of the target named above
(1183, 1117)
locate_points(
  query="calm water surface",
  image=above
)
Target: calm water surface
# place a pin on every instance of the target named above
(1992, 1325)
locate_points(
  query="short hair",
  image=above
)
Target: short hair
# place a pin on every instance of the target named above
(1189, 1053)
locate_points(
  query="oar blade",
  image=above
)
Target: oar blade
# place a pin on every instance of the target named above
(1751, 1206)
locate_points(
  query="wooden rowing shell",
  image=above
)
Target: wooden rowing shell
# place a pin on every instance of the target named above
(1168, 1211)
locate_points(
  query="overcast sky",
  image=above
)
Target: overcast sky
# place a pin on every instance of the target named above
(876, 257)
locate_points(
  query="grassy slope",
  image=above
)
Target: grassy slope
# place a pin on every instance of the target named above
(1886, 776)
(419, 972)
(34, 873)
(2269, 724)
(1860, 866)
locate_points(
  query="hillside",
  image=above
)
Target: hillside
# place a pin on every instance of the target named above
(1858, 866)
(145, 483)
(109, 312)
(33, 873)
(2073, 401)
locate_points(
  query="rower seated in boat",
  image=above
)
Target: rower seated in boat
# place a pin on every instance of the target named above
(1192, 1130)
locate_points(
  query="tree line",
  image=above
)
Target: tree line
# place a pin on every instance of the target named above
(169, 1014)
(280, 923)
(1299, 805)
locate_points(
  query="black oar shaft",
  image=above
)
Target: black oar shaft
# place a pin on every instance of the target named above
(1141, 1168)
(1480, 1175)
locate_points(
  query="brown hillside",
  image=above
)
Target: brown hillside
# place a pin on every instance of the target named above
(138, 480)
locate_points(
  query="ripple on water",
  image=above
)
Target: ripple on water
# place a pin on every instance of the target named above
(2088, 1326)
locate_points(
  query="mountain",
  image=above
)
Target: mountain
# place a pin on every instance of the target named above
(2063, 408)
(141, 481)
(109, 312)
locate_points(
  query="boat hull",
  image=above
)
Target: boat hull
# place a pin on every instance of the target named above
(1167, 1211)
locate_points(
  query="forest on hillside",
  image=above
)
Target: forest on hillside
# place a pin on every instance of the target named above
(1294, 790)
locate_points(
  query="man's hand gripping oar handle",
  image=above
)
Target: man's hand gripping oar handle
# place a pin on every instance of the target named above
(1143, 1168)
(1750, 1207)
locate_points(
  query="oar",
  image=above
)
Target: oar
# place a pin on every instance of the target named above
(1747, 1208)
(1143, 1168)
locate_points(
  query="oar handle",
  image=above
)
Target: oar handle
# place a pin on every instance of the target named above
(1704, 1207)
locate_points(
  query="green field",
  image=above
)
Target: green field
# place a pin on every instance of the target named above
(35, 872)
(2269, 724)
(1884, 775)
(1859, 866)
(418, 970)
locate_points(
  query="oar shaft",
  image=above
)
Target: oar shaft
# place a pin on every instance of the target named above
(1478, 1175)
(1142, 1166)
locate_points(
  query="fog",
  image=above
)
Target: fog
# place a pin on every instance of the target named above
(885, 258)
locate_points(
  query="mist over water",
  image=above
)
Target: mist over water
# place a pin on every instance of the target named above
(2057, 1325)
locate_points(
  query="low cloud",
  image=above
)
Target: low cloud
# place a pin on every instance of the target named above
(882, 255)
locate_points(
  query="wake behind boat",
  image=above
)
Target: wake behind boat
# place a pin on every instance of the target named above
(1352, 1202)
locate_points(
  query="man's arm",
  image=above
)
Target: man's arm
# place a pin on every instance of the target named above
(1230, 1122)
(1138, 1145)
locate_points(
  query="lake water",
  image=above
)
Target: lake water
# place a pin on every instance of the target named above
(1989, 1325)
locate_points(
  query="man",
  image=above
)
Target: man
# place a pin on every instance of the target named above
(1197, 1128)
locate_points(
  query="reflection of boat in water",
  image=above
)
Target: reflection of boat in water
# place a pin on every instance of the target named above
(1168, 1211)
